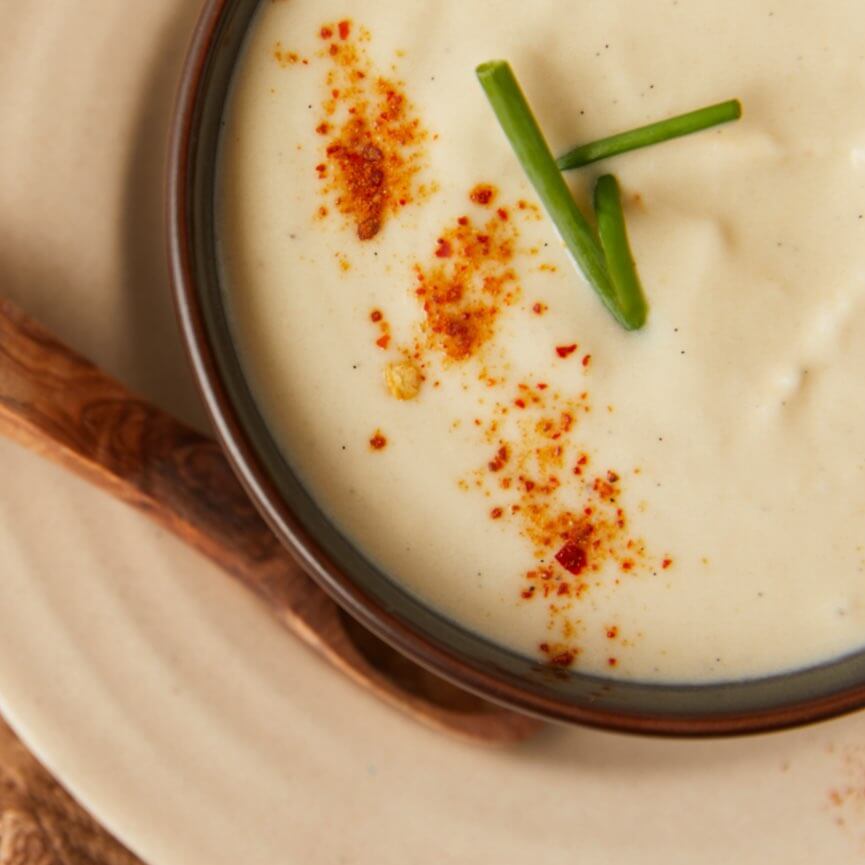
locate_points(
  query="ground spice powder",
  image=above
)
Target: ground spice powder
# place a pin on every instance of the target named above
(375, 144)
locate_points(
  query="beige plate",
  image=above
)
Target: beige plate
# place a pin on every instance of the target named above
(190, 723)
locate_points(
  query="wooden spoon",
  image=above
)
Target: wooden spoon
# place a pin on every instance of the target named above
(57, 403)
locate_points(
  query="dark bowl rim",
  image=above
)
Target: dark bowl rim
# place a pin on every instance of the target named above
(314, 559)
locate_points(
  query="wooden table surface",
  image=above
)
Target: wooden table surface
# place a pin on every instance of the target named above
(40, 823)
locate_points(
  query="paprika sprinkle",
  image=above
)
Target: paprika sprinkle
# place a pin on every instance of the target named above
(375, 147)
(466, 288)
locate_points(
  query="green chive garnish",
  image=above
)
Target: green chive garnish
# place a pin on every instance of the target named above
(533, 152)
(617, 251)
(654, 133)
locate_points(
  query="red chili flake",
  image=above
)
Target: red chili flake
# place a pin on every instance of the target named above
(369, 228)
(612, 661)
(503, 214)
(612, 477)
(322, 128)
(500, 460)
(587, 360)
(666, 563)
(321, 168)
(344, 29)
(627, 565)
(483, 194)
(520, 403)
(496, 513)
(539, 308)
(564, 659)
(375, 315)
(564, 589)
(529, 485)
(603, 488)
(528, 593)
(326, 33)
(378, 441)
(612, 633)
(565, 350)
(333, 51)
(588, 511)
(444, 250)
(383, 341)
(572, 557)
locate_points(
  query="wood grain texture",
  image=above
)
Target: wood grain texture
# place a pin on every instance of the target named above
(40, 823)
(59, 404)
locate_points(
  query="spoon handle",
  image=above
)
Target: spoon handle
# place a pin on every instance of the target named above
(55, 402)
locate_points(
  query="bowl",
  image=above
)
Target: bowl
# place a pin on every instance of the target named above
(373, 598)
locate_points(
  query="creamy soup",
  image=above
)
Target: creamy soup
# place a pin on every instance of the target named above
(682, 503)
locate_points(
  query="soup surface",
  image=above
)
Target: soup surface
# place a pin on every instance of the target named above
(683, 503)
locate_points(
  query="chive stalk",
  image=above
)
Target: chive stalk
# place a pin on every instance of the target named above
(654, 133)
(617, 251)
(527, 140)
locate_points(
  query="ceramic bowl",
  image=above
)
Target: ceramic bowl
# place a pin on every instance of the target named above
(372, 597)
